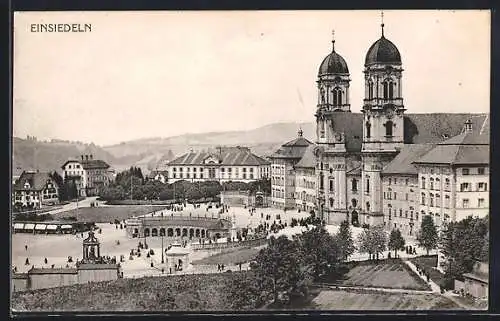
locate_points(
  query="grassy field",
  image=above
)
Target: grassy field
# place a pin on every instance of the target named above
(209, 292)
(428, 261)
(107, 214)
(428, 264)
(384, 274)
(375, 300)
(241, 255)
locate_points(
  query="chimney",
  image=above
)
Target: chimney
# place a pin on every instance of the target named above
(86, 157)
(468, 125)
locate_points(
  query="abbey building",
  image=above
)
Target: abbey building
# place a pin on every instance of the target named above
(383, 166)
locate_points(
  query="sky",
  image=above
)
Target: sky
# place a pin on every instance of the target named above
(161, 74)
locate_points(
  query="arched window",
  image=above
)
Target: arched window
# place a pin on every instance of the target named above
(321, 181)
(432, 183)
(388, 128)
(367, 184)
(354, 202)
(368, 127)
(370, 89)
(331, 202)
(423, 199)
(337, 96)
(388, 89)
(368, 206)
(322, 95)
(423, 182)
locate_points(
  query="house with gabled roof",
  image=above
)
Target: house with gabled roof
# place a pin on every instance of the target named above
(34, 189)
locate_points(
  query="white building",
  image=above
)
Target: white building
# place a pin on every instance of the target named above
(224, 165)
(283, 174)
(89, 175)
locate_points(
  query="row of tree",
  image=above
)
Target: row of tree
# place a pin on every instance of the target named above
(131, 184)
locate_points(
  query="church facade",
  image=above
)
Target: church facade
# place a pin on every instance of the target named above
(376, 167)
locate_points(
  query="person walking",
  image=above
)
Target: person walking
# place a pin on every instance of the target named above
(26, 247)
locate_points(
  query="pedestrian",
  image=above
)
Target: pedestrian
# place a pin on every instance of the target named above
(26, 247)
(45, 261)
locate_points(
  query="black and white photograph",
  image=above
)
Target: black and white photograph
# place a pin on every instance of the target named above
(250, 161)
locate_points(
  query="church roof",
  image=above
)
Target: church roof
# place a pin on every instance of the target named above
(333, 64)
(469, 147)
(232, 156)
(383, 51)
(308, 160)
(403, 162)
(429, 128)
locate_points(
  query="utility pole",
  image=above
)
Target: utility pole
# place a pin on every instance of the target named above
(162, 253)
(131, 186)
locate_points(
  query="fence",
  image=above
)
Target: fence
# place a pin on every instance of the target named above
(219, 246)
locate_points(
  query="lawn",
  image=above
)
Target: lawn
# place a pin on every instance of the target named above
(108, 214)
(376, 300)
(201, 292)
(383, 274)
(241, 255)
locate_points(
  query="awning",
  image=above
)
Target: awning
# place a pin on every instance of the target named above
(29, 226)
(52, 227)
(66, 226)
(40, 227)
(19, 226)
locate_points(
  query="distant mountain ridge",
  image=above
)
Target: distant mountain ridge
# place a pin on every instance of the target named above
(153, 153)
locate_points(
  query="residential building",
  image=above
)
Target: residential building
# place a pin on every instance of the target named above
(89, 175)
(224, 165)
(283, 176)
(34, 189)
(160, 176)
(305, 181)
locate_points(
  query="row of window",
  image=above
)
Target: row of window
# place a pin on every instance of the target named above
(211, 175)
(394, 212)
(76, 166)
(480, 187)
(390, 195)
(222, 169)
(395, 181)
(305, 197)
(471, 171)
(277, 193)
(389, 125)
(480, 203)
(387, 90)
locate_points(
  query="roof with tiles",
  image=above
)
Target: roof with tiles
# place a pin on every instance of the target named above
(293, 149)
(308, 160)
(232, 156)
(403, 162)
(36, 181)
(471, 146)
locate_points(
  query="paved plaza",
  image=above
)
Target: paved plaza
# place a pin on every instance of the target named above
(114, 242)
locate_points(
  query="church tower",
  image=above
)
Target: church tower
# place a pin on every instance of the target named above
(333, 101)
(383, 132)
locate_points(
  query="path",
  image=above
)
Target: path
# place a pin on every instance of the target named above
(73, 205)
(388, 290)
(435, 288)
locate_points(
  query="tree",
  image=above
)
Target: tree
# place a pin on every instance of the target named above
(280, 272)
(428, 235)
(344, 238)
(372, 241)
(463, 243)
(396, 241)
(320, 250)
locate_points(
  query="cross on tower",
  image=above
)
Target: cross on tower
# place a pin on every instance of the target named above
(333, 39)
(382, 24)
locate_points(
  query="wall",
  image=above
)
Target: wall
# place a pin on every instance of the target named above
(19, 284)
(44, 281)
(476, 289)
(473, 195)
(85, 276)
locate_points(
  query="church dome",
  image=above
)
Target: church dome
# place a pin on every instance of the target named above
(333, 64)
(383, 51)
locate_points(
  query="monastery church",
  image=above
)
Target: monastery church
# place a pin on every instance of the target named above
(382, 166)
